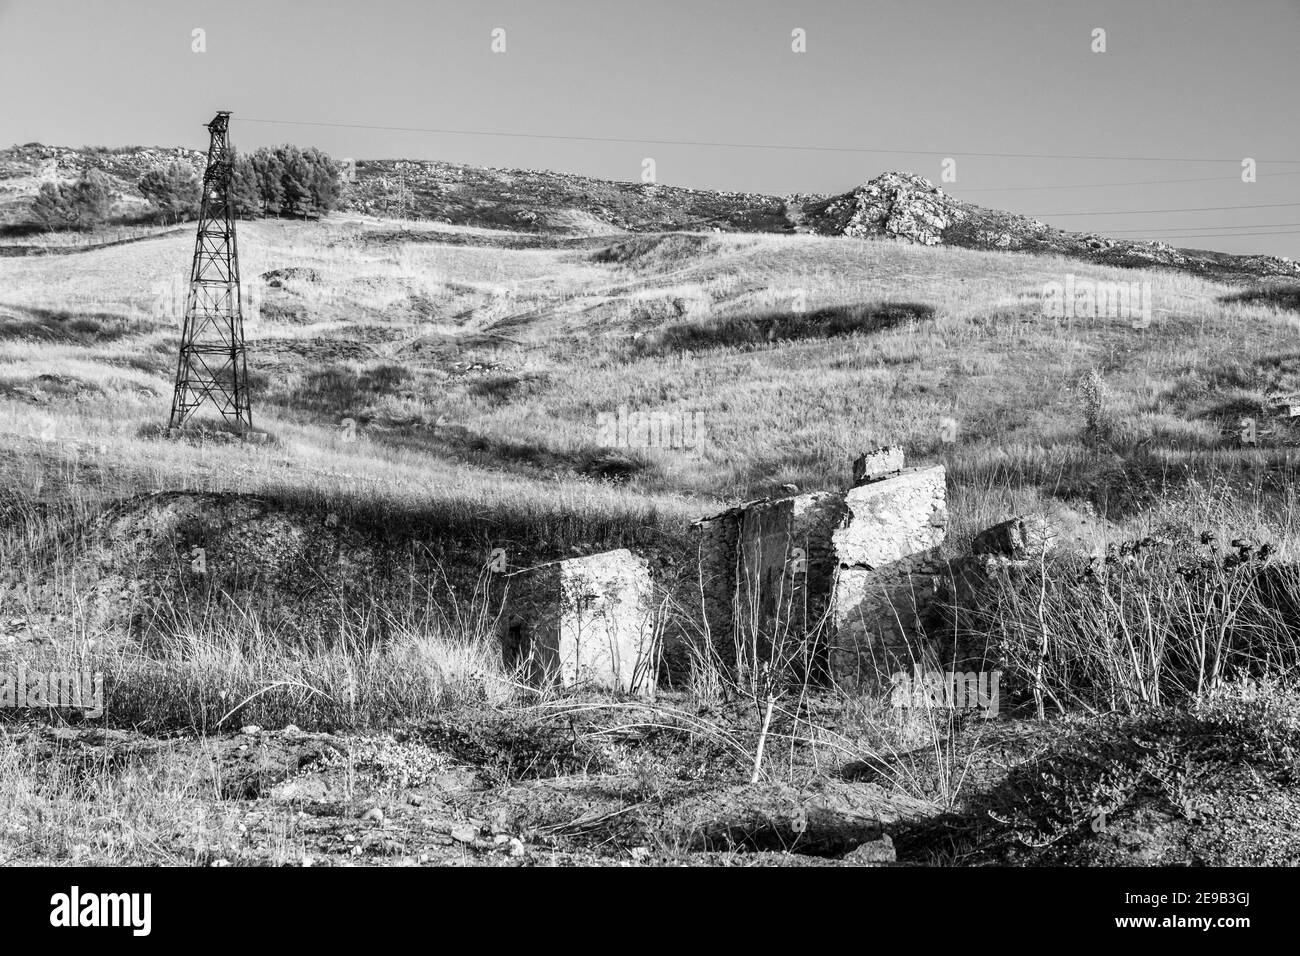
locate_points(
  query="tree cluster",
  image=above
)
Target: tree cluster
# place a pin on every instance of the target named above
(82, 204)
(287, 181)
(284, 181)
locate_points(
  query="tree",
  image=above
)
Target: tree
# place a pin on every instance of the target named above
(175, 189)
(244, 188)
(324, 182)
(52, 208)
(268, 170)
(287, 181)
(296, 180)
(83, 204)
(92, 198)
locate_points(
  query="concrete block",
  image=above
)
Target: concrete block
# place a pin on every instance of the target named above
(887, 562)
(766, 568)
(786, 564)
(584, 622)
(874, 465)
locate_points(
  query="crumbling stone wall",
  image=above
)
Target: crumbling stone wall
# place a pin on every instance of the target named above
(718, 560)
(786, 566)
(887, 566)
(859, 569)
(766, 570)
(586, 621)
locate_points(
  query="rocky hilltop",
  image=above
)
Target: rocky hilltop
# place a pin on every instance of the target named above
(905, 206)
(894, 205)
(24, 168)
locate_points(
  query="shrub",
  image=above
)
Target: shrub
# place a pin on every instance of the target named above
(1158, 622)
(1099, 425)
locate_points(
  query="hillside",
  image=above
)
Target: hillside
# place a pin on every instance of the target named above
(894, 205)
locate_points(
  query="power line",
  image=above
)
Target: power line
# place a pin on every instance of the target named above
(770, 146)
(1157, 236)
(1222, 235)
(1235, 235)
(1138, 212)
(1139, 182)
(1249, 225)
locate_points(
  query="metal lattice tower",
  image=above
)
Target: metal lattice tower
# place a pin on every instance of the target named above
(213, 364)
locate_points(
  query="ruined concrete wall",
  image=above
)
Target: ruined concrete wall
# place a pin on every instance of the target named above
(786, 566)
(766, 570)
(718, 557)
(887, 561)
(860, 570)
(584, 622)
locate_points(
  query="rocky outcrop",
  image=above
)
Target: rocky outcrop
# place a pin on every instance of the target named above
(893, 205)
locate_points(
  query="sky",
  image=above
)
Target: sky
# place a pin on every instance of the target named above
(1185, 90)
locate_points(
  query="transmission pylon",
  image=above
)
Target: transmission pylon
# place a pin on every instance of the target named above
(213, 364)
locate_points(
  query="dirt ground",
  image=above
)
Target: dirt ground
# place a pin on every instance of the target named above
(509, 790)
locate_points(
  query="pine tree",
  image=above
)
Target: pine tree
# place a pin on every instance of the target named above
(83, 204)
(52, 208)
(245, 191)
(269, 171)
(324, 183)
(295, 180)
(92, 198)
(174, 189)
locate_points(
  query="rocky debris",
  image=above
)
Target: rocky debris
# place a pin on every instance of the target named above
(827, 819)
(1023, 538)
(464, 833)
(306, 790)
(872, 466)
(762, 558)
(776, 816)
(999, 555)
(479, 368)
(873, 852)
(276, 278)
